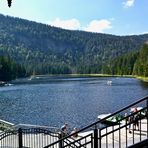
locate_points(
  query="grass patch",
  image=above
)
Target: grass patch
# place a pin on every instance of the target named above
(145, 79)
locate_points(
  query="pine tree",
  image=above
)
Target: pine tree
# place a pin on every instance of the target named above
(141, 65)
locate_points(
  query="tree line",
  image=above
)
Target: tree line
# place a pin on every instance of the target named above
(134, 63)
(10, 70)
(43, 49)
(50, 50)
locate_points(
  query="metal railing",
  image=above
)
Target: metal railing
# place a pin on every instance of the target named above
(120, 134)
(32, 136)
(5, 125)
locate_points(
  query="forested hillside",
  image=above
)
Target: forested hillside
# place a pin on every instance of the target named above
(44, 49)
(10, 70)
(141, 64)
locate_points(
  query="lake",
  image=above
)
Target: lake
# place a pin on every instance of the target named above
(51, 101)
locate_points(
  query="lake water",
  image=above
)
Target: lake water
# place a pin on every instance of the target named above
(52, 101)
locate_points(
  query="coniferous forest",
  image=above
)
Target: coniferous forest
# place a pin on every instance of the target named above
(10, 70)
(28, 47)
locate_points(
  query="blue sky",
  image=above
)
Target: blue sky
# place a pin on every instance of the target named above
(118, 17)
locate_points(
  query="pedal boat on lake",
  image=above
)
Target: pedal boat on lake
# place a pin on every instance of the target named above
(119, 119)
(113, 120)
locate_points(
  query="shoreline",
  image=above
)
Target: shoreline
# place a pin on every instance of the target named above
(145, 79)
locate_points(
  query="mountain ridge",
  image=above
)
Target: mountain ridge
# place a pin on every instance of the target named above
(40, 46)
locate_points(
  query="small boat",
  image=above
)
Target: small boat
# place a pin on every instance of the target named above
(2, 83)
(109, 82)
(103, 116)
(32, 77)
(8, 84)
(113, 120)
(117, 119)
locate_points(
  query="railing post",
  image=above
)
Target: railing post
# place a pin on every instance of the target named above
(147, 114)
(147, 104)
(20, 138)
(61, 141)
(95, 137)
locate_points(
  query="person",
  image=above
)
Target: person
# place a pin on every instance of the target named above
(136, 119)
(64, 129)
(74, 133)
(130, 121)
(126, 119)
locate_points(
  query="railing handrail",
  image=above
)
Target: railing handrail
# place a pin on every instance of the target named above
(6, 122)
(100, 121)
(93, 124)
(15, 129)
(35, 126)
(124, 125)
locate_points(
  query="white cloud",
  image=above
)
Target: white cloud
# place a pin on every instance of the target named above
(98, 26)
(145, 33)
(128, 3)
(72, 24)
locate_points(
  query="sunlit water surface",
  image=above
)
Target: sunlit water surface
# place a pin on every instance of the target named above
(52, 101)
